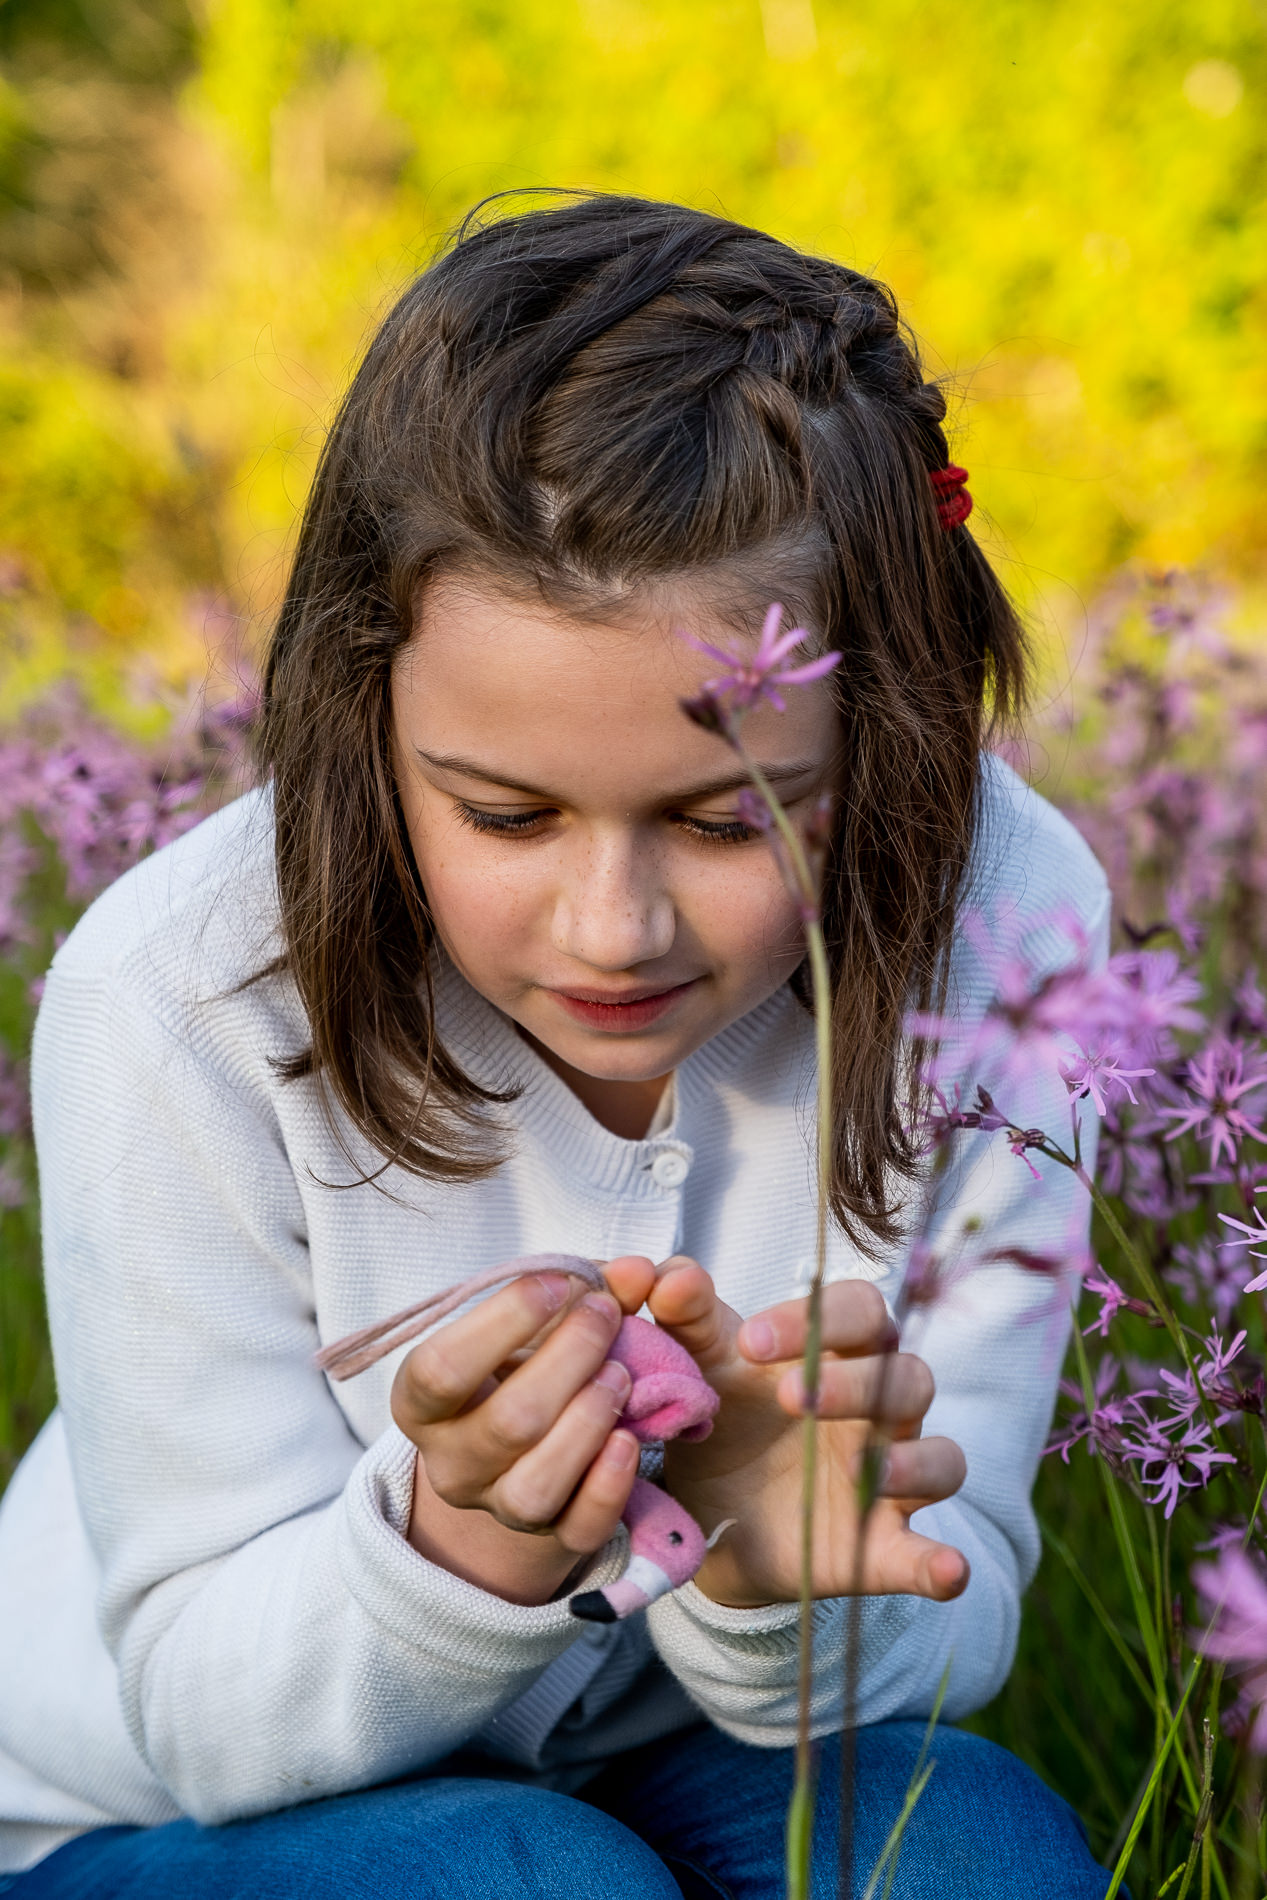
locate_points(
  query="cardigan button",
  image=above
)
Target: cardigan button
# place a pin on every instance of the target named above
(670, 1169)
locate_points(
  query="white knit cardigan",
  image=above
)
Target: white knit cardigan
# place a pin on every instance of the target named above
(207, 1603)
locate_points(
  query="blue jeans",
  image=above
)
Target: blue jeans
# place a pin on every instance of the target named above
(697, 1815)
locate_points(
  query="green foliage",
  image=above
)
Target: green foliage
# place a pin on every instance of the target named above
(1068, 200)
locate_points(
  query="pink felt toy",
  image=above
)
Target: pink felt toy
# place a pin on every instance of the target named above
(670, 1398)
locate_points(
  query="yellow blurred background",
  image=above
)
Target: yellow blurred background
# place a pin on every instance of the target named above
(203, 213)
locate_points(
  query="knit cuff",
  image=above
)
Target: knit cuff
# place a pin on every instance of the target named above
(427, 1608)
(726, 1620)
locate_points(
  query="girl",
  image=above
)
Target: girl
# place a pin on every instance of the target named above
(491, 966)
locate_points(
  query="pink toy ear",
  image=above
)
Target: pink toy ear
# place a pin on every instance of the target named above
(664, 1405)
(671, 1398)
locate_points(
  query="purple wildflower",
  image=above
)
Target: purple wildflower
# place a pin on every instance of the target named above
(1250, 1237)
(1250, 1007)
(1094, 1072)
(1219, 1357)
(1236, 1592)
(708, 711)
(1224, 1084)
(1102, 1427)
(1161, 1000)
(747, 679)
(945, 1117)
(1202, 1273)
(1125, 1152)
(17, 861)
(1174, 1465)
(1183, 1392)
(1113, 1300)
(1030, 1023)
(1095, 1028)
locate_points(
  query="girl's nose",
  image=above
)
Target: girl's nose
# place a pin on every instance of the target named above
(613, 911)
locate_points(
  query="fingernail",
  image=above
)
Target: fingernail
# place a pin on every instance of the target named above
(613, 1378)
(620, 1451)
(601, 1303)
(554, 1288)
(758, 1339)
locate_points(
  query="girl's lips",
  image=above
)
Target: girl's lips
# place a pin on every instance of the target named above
(638, 1013)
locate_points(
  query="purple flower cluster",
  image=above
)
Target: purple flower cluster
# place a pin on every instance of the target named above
(80, 803)
(1169, 739)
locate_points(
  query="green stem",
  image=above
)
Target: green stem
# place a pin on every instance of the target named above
(1125, 1544)
(1152, 1632)
(1146, 1800)
(787, 831)
(1110, 1628)
(1155, 1292)
(798, 1868)
(801, 1812)
(1203, 1813)
(886, 1867)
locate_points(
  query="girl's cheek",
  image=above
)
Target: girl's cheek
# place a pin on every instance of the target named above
(744, 916)
(481, 911)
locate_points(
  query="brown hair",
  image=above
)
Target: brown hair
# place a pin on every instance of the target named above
(606, 392)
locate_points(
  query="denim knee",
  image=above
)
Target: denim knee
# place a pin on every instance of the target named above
(441, 1839)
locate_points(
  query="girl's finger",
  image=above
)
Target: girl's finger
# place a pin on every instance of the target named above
(923, 1471)
(538, 1488)
(895, 1390)
(684, 1301)
(906, 1564)
(855, 1320)
(631, 1278)
(525, 1407)
(590, 1520)
(444, 1372)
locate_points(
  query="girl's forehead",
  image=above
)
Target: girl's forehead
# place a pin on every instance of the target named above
(467, 626)
(522, 685)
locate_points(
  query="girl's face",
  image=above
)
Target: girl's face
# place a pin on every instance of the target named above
(576, 834)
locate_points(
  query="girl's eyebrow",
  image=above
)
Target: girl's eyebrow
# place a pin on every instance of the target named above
(708, 788)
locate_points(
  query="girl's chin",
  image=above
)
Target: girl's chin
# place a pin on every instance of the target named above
(650, 1061)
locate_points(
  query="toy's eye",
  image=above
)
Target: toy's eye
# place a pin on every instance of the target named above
(675, 1537)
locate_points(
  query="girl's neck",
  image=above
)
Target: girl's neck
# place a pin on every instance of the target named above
(626, 1109)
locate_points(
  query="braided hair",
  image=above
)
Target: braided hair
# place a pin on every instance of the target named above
(581, 400)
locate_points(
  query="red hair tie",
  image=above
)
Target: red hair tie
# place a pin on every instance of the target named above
(954, 503)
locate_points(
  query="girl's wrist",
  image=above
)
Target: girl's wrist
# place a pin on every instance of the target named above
(721, 1580)
(517, 1566)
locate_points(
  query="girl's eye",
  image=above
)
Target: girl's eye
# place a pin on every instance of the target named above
(720, 831)
(510, 824)
(502, 824)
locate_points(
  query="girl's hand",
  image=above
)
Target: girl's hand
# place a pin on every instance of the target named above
(749, 1469)
(520, 1475)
